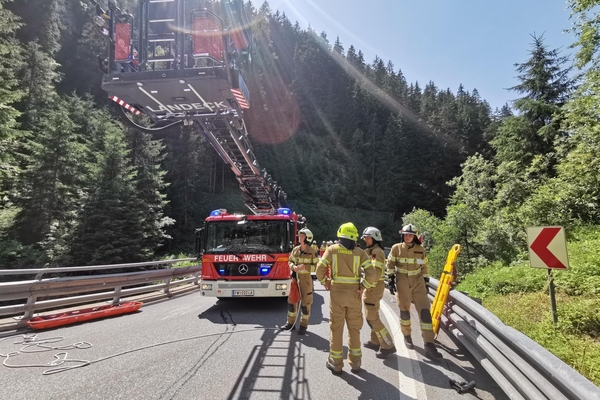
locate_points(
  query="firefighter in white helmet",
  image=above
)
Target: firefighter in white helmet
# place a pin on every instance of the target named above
(409, 260)
(381, 340)
(303, 260)
(346, 271)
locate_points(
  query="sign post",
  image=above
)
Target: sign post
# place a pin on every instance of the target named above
(548, 249)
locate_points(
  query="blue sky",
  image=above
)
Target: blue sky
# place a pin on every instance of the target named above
(473, 42)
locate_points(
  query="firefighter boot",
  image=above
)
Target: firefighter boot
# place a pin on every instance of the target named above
(384, 353)
(302, 330)
(431, 351)
(408, 342)
(287, 327)
(331, 367)
(370, 345)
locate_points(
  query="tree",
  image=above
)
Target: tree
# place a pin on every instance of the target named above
(10, 94)
(545, 84)
(111, 226)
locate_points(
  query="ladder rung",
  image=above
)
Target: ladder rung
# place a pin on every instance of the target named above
(169, 37)
(159, 59)
(161, 1)
(162, 20)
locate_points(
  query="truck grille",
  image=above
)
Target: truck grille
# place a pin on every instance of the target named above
(241, 269)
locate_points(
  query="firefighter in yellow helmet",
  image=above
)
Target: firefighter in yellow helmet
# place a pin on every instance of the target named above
(381, 340)
(409, 260)
(346, 271)
(302, 262)
(315, 247)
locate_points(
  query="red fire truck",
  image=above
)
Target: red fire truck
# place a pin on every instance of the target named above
(247, 255)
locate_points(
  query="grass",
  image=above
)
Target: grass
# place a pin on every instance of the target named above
(518, 295)
(522, 312)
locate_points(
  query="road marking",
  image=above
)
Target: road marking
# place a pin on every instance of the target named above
(410, 377)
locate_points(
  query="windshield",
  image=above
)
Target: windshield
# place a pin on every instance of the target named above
(247, 237)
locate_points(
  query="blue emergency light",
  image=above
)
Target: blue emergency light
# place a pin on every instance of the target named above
(284, 211)
(265, 269)
(217, 213)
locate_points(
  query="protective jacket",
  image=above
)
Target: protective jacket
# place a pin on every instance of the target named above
(309, 258)
(372, 298)
(411, 265)
(347, 271)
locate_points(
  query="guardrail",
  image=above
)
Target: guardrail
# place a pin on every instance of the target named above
(520, 366)
(90, 288)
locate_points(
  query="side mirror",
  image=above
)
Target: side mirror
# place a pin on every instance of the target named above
(199, 249)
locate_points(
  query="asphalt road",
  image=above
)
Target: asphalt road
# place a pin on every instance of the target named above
(192, 347)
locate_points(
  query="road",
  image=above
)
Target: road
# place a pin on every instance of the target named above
(193, 347)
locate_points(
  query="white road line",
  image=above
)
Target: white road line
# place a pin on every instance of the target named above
(410, 377)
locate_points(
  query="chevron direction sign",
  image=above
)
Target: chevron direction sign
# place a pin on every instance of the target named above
(547, 247)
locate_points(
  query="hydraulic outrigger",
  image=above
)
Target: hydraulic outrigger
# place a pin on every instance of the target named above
(181, 65)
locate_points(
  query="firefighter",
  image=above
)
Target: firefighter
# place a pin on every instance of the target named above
(381, 340)
(346, 271)
(409, 260)
(302, 262)
(315, 247)
(322, 249)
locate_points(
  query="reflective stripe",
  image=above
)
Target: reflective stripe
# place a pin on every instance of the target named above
(427, 327)
(405, 322)
(408, 272)
(366, 283)
(355, 352)
(420, 262)
(367, 264)
(336, 354)
(378, 264)
(334, 269)
(292, 314)
(324, 261)
(345, 279)
(324, 281)
(355, 265)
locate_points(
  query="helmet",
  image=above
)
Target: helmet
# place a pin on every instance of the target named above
(348, 231)
(373, 232)
(314, 242)
(410, 228)
(308, 233)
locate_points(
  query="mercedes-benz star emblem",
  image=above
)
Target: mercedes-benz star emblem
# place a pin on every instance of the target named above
(243, 269)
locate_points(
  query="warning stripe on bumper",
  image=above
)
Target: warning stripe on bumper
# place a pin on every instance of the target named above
(125, 105)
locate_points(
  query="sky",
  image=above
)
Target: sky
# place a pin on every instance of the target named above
(473, 42)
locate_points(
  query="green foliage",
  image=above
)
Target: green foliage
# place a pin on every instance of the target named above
(573, 340)
(10, 93)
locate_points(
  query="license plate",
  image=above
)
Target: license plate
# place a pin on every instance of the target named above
(240, 293)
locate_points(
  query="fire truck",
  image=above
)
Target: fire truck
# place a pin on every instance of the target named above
(180, 65)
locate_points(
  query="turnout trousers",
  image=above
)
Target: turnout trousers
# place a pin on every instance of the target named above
(345, 307)
(371, 300)
(306, 294)
(412, 289)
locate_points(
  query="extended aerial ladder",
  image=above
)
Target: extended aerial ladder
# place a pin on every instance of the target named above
(182, 65)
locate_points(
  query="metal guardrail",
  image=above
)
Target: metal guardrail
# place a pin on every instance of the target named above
(520, 366)
(89, 288)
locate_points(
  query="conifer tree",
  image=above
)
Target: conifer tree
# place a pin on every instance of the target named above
(10, 93)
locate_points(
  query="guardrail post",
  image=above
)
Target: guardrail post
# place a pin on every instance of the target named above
(29, 307)
(117, 296)
(167, 287)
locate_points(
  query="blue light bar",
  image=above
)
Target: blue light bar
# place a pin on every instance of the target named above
(264, 270)
(284, 211)
(222, 271)
(215, 213)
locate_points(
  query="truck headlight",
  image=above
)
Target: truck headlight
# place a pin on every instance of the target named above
(206, 286)
(281, 286)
